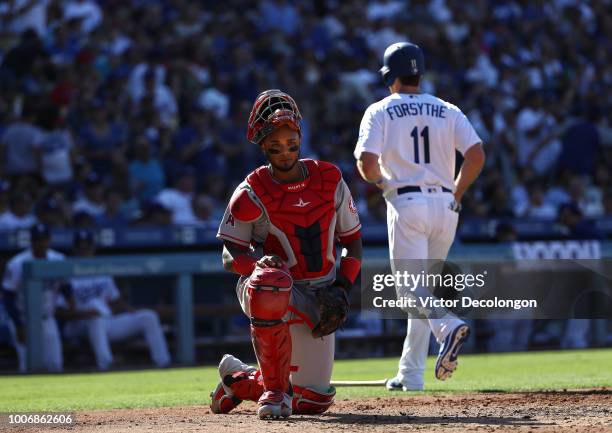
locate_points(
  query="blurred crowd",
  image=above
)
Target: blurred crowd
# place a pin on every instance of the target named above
(116, 112)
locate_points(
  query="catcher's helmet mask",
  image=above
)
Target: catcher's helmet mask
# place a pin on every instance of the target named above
(271, 110)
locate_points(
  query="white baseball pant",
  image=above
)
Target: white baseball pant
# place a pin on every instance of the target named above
(421, 226)
(53, 360)
(103, 330)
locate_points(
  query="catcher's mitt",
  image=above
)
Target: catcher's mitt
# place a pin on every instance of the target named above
(333, 307)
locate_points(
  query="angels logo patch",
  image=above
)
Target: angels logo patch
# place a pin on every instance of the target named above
(230, 221)
(352, 206)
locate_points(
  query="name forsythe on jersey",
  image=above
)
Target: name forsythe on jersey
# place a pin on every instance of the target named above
(416, 109)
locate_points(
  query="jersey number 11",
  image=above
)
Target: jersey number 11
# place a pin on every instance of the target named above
(415, 136)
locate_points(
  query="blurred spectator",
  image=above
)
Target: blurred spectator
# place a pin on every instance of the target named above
(20, 60)
(50, 211)
(184, 74)
(196, 145)
(22, 15)
(136, 82)
(56, 148)
(381, 9)
(280, 14)
(191, 20)
(118, 210)
(20, 215)
(154, 214)
(92, 202)
(86, 11)
(499, 205)
(537, 142)
(146, 172)
(589, 205)
(205, 208)
(103, 141)
(572, 224)
(581, 145)
(20, 143)
(537, 206)
(62, 46)
(594, 194)
(178, 198)
(82, 219)
(160, 96)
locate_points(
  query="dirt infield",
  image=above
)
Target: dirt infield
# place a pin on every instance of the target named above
(542, 412)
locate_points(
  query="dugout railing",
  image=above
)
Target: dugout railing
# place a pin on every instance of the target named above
(182, 268)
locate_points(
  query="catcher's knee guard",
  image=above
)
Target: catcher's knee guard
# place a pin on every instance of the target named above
(269, 294)
(309, 401)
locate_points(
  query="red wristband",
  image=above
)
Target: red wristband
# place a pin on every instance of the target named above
(350, 268)
(244, 264)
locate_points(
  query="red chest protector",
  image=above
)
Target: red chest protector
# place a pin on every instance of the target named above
(302, 217)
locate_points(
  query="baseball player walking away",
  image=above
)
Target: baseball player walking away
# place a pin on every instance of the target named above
(279, 234)
(99, 313)
(13, 292)
(406, 147)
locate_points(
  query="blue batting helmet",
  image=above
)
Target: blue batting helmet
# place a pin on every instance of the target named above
(402, 59)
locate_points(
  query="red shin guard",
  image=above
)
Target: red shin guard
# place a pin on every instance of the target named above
(269, 295)
(273, 350)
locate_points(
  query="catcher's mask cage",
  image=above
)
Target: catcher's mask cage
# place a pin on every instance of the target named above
(271, 110)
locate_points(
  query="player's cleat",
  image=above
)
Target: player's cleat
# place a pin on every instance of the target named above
(274, 405)
(231, 370)
(447, 358)
(396, 385)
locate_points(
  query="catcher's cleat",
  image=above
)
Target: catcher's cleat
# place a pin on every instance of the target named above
(274, 405)
(447, 358)
(231, 371)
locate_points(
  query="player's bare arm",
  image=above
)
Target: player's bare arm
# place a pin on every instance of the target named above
(368, 167)
(235, 258)
(474, 159)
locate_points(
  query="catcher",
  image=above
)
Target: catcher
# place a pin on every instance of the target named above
(279, 233)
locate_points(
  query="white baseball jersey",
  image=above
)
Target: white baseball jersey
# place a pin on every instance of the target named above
(94, 292)
(13, 280)
(415, 136)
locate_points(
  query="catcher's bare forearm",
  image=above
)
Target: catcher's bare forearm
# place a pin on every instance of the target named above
(473, 162)
(236, 259)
